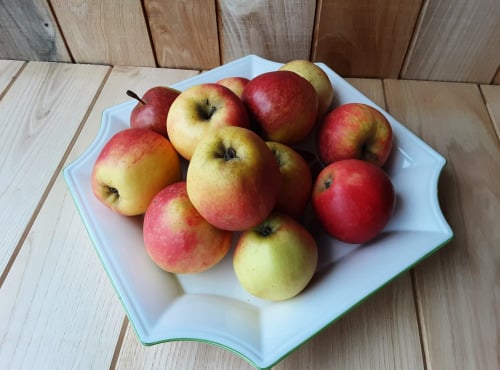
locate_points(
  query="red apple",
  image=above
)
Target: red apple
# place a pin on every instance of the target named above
(276, 259)
(354, 130)
(200, 109)
(353, 200)
(283, 104)
(152, 109)
(296, 180)
(134, 165)
(233, 178)
(235, 84)
(177, 238)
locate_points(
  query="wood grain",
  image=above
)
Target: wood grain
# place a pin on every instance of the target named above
(381, 333)
(8, 72)
(458, 287)
(58, 305)
(184, 33)
(28, 31)
(36, 136)
(105, 31)
(491, 96)
(277, 30)
(365, 38)
(456, 41)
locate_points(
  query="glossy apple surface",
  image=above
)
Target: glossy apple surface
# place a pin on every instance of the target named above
(134, 165)
(152, 109)
(282, 104)
(200, 109)
(236, 84)
(275, 260)
(353, 200)
(296, 180)
(354, 131)
(318, 79)
(233, 178)
(177, 238)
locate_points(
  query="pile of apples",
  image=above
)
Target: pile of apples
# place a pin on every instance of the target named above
(245, 178)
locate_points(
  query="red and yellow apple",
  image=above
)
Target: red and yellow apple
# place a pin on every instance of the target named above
(200, 109)
(236, 84)
(134, 165)
(283, 105)
(152, 109)
(177, 238)
(318, 79)
(353, 200)
(354, 130)
(233, 178)
(276, 259)
(296, 180)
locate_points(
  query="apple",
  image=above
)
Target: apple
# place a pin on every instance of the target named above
(276, 259)
(236, 84)
(318, 79)
(296, 180)
(353, 200)
(177, 238)
(152, 109)
(354, 130)
(233, 178)
(134, 165)
(283, 104)
(200, 109)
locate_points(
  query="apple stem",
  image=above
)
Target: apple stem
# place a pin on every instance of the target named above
(135, 96)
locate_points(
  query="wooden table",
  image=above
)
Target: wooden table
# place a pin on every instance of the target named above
(58, 309)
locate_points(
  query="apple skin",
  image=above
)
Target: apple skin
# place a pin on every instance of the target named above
(131, 168)
(177, 238)
(283, 105)
(353, 200)
(236, 84)
(233, 178)
(354, 130)
(296, 180)
(318, 79)
(277, 259)
(153, 114)
(200, 109)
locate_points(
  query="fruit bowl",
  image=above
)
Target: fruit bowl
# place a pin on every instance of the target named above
(211, 306)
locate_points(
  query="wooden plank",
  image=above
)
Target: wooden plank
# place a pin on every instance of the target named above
(105, 32)
(278, 30)
(363, 339)
(496, 80)
(184, 33)
(58, 305)
(457, 288)
(28, 31)
(492, 99)
(456, 41)
(41, 112)
(8, 72)
(365, 38)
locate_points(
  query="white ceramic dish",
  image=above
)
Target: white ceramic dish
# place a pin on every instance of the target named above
(211, 306)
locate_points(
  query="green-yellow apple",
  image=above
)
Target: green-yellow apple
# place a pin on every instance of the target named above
(296, 180)
(152, 109)
(134, 165)
(236, 84)
(354, 130)
(353, 200)
(277, 259)
(317, 77)
(283, 105)
(233, 178)
(200, 109)
(177, 238)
